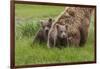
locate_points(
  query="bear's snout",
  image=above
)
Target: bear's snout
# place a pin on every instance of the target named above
(63, 35)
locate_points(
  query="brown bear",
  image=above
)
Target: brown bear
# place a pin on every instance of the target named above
(42, 34)
(57, 36)
(81, 16)
(73, 36)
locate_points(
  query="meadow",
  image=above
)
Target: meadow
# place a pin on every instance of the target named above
(27, 23)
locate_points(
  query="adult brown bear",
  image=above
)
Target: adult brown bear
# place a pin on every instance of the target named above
(81, 19)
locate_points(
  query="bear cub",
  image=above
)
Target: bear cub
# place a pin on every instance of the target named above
(57, 36)
(42, 34)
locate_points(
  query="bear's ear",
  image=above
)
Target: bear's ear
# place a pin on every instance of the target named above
(41, 21)
(50, 20)
(57, 26)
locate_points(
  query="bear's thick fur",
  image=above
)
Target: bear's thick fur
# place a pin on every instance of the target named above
(78, 20)
(82, 21)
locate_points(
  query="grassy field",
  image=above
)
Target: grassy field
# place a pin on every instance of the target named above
(27, 19)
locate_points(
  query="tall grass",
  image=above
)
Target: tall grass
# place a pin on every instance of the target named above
(26, 25)
(26, 29)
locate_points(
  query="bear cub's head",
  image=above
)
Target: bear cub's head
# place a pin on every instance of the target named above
(46, 25)
(62, 31)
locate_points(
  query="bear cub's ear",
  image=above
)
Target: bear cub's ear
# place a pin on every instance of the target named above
(50, 20)
(57, 26)
(41, 21)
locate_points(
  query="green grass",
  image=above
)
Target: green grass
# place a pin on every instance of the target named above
(36, 12)
(25, 54)
(27, 23)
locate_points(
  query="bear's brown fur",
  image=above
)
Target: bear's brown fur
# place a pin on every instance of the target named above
(73, 36)
(81, 20)
(78, 20)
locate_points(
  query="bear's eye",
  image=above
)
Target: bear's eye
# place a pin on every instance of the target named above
(43, 26)
(48, 26)
(65, 31)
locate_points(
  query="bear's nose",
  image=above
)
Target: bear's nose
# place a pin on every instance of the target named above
(64, 36)
(46, 30)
